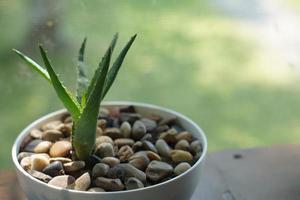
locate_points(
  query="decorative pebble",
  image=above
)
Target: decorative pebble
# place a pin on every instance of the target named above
(100, 169)
(39, 175)
(138, 130)
(99, 132)
(68, 119)
(125, 129)
(158, 170)
(74, 166)
(149, 124)
(163, 148)
(26, 163)
(114, 133)
(83, 182)
(54, 169)
(63, 181)
(105, 150)
(131, 171)
(196, 146)
(181, 156)
(31, 145)
(43, 147)
(117, 172)
(153, 156)
(124, 153)
(96, 189)
(66, 129)
(133, 183)
(38, 162)
(52, 135)
(111, 161)
(109, 184)
(124, 141)
(101, 123)
(182, 145)
(147, 145)
(60, 149)
(181, 168)
(103, 139)
(138, 146)
(36, 133)
(169, 136)
(51, 125)
(139, 161)
(184, 135)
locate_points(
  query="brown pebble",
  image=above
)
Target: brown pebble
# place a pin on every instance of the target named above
(124, 153)
(109, 184)
(43, 147)
(111, 161)
(39, 175)
(114, 133)
(181, 156)
(184, 135)
(74, 166)
(60, 159)
(51, 125)
(36, 133)
(62, 181)
(52, 135)
(38, 162)
(83, 182)
(124, 141)
(182, 145)
(60, 149)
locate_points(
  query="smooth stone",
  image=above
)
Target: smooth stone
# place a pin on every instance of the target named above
(181, 168)
(161, 128)
(36, 133)
(153, 156)
(23, 155)
(54, 169)
(68, 119)
(169, 136)
(26, 163)
(74, 166)
(116, 172)
(38, 162)
(132, 171)
(103, 139)
(138, 130)
(60, 159)
(60, 149)
(105, 150)
(124, 153)
(96, 189)
(147, 137)
(83, 182)
(181, 156)
(140, 161)
(63, 181)
(40, 176)
(137, 146)
(100, 169)
(31, 145)
(182, 145)
(147, 145)
(51, 125)
(99, 132)
(125, 129)
(184, 135)
(149, 124)
(43, 147)
(101, 123)
(158, 170)
(163, 148)
(66, 129)
(109, 184)
(93, 160)
(114, 133)
(52, 135)
(196, 146)
(111, 161)
(130, 117)
(124, 141)
(133, 183)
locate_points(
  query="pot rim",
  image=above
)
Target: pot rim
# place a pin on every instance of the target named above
(17, 143)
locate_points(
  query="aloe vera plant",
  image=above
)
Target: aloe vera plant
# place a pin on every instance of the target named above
(84, 107)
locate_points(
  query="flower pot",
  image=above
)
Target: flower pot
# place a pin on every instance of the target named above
(178, 188)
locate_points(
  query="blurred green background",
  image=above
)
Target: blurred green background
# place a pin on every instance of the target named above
(218, 63)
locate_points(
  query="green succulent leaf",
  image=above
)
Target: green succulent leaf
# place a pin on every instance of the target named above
(82, 80)
(85, 129)
(62, 92)
(116, 66)
(43, 72)
(98, 70)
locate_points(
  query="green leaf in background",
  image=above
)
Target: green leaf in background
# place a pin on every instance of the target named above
(62, 92)
(85, 129)
(82, 80)
(98, 70)
(34, 65)
(116, 66)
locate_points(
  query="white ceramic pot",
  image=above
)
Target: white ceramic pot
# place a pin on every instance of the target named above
(178, 188)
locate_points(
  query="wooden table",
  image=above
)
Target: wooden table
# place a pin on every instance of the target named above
(243, 174)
